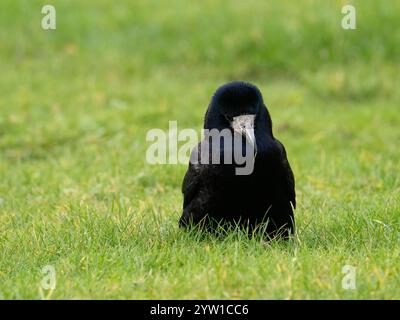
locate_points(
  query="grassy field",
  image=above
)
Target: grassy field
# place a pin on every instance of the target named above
(76, 192)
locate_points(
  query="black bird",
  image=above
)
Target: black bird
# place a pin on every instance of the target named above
(216, 192)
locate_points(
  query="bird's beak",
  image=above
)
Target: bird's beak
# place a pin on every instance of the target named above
(244, 125)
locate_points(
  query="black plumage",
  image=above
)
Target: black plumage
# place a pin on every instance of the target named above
(215, 193)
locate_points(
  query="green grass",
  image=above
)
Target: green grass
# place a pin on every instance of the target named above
(76, 104)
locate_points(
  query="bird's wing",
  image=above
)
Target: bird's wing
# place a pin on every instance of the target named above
(192, 180)
(288, 174)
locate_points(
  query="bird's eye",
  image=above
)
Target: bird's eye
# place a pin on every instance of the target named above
(229, 118)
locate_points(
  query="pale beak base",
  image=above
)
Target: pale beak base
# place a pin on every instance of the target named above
(244, 125)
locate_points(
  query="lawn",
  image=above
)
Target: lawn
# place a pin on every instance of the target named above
(77, 194)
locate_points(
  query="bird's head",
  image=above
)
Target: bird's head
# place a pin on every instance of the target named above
(239, 105)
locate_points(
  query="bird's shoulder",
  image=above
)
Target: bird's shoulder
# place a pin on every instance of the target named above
(197, 170)
(288, 173)
(199, 175)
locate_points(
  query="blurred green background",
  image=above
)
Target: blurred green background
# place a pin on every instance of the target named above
(76, 104)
